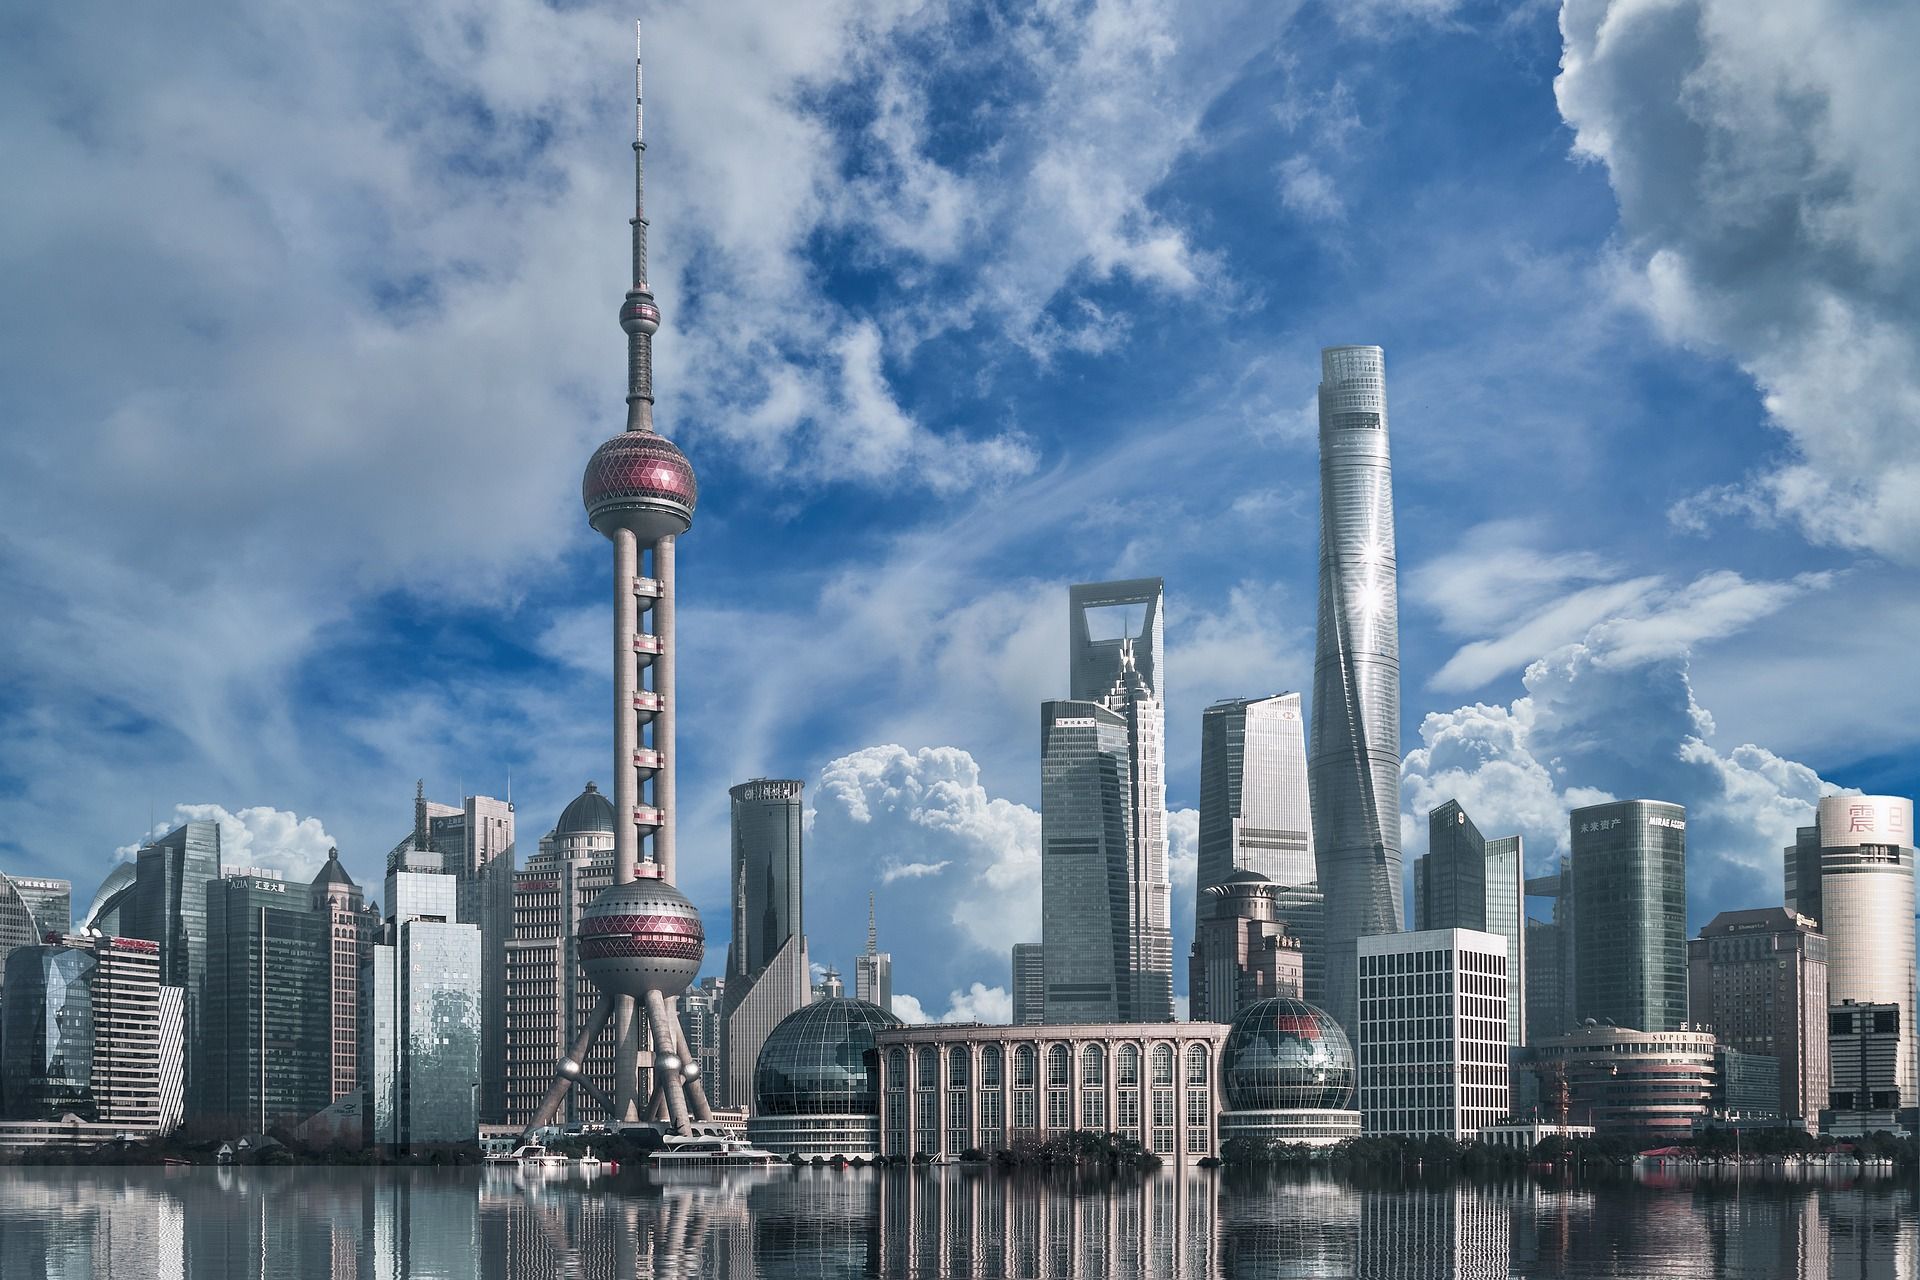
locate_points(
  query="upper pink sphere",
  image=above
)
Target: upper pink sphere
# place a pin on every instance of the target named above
(640, 481)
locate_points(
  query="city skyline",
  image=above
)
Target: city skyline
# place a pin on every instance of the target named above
(305, 657)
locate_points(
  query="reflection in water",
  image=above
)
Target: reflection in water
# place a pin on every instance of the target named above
(389, 1224)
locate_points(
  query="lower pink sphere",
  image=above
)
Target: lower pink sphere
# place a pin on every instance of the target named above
(642, 936)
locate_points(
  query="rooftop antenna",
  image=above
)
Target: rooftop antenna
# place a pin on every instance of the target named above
(873, 933)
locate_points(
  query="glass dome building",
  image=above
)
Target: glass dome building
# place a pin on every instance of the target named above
(1287, 1074)
(817, 1083)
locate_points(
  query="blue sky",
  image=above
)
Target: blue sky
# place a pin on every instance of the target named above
(311, 330)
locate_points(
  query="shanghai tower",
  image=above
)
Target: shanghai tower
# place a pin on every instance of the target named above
(1353, 762)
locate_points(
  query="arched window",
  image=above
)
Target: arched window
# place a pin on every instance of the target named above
(929, 1066)
(1163, 1064)
(1093, 1065)
(957, 1065)
(1025, 1067)
(990, 1066)
(1059, 1067)
(1128, 1061)
(897, 1069)
(1197, 1064)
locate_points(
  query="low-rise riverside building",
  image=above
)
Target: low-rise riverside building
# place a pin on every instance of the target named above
(1287, 1072)
(948, 1088)
(1652, 1084)
(817, 1083)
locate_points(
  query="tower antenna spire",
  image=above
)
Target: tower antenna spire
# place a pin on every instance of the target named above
(639, 315)
(873, 933)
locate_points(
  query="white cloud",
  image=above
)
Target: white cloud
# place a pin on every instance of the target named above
(1533, 601)
(260, 837)
(891, 870)
(885, 806)
(1613, 716)
(1306, 189)
(978, 1003)
(1766, 209)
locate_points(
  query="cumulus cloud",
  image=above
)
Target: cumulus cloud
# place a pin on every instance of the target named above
(260, 837)
(978, 1003)
(886, 807)
(1767, 212)
(1613, 716)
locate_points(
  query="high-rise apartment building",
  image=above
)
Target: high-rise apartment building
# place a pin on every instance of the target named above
(1242, 951)
(1629, 865)
(166, 902)
(1353, 758)
(1085, 856)
(1254, 811)
(1467, 881)
(1029, 984)
(420, 1017)
(549, 997)
(1118, 659)
(1867, 912)
(1433, 1032)
(83, 1031)
(1759, 980)
(768, 975)
(873, 971)
(350, 926)
(267, 1018)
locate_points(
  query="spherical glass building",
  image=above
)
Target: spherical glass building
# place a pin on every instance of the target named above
(1287, 1074)
(817, 1083)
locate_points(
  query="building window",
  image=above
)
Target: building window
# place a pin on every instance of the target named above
(990, 1067)
(957, 1065)
(1127, 1062)
(1197, 1064)
(1059, 1067)
(1162, 1064)
(1025, 1063)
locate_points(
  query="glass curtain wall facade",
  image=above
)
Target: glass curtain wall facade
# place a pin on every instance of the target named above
(1450, 883)
(1085, 850)
(1353, 760)
(1255, 814)
(1507, 916)
(50, 902)
(167, 904)
(268, 1014)
(1029, 984)
(46, 1034)
(1629, 868)
(767, 947)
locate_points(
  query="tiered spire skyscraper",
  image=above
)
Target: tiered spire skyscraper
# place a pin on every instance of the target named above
(641, 941)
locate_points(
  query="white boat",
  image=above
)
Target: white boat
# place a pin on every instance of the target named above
(714, 1149)
(532, 1153)
(589, 1163)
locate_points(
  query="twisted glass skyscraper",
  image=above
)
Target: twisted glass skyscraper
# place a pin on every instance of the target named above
(1353, 762)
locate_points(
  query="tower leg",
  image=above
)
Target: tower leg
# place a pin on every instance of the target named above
(666, 1080)
(582, 1045)
(696, 1091)
(626, 1085)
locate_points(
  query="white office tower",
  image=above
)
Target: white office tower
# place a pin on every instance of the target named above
(1433, 1032)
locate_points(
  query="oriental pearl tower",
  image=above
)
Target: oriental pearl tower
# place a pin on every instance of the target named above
(640, 941)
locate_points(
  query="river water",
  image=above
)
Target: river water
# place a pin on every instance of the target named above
(386, 1224)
